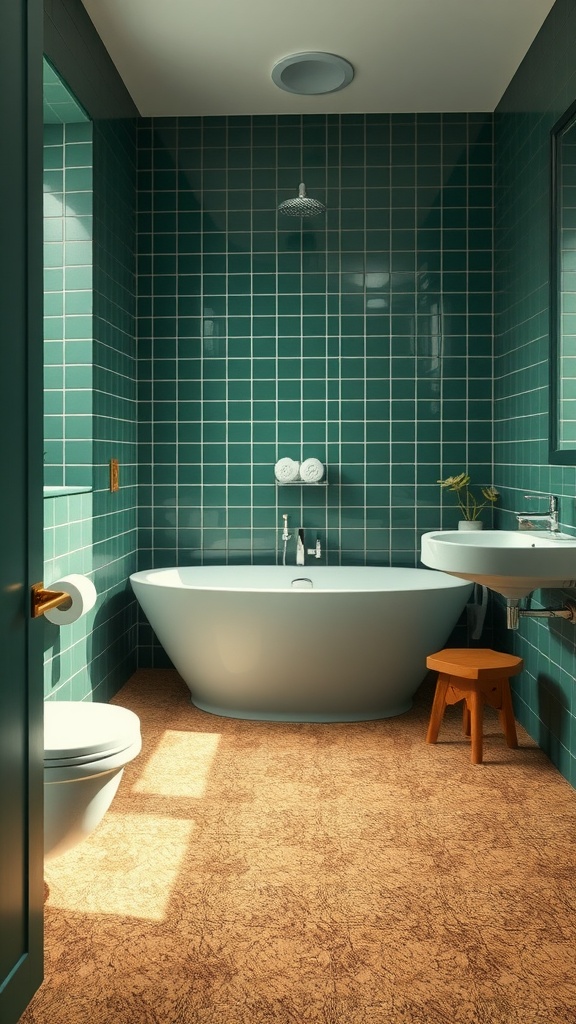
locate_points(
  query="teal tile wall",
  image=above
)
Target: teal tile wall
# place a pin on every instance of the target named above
(68, 231)
(96, 533)
(362, 337)
(60, 106)
(68, 523)
(544, 86)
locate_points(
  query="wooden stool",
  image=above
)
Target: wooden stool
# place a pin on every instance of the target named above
(477, 676)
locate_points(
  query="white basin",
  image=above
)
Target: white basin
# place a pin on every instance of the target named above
(511, 562)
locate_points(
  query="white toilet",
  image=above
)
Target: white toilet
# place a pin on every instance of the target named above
(86, 747)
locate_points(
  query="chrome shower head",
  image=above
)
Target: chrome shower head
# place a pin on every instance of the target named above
(301, 205)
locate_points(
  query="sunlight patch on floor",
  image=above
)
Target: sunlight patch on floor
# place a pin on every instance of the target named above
(136, 859)
(163, 773)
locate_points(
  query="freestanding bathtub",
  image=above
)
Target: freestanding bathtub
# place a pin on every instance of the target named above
(299, 643)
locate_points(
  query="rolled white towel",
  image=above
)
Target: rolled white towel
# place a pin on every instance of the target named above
(311, 471)
(286, 470)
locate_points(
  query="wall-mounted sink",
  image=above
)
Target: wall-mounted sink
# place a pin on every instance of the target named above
(511, 562)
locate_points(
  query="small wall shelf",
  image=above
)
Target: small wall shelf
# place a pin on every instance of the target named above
(301, 483)
(62, 490)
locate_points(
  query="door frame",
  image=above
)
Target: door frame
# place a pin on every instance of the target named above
(21, 356)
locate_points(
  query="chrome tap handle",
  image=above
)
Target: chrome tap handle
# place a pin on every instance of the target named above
(316, 551)
(550, 498)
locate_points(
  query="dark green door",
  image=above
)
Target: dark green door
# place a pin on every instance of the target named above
(21, 744)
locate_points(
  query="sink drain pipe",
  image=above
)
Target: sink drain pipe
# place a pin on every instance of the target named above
(513, 613)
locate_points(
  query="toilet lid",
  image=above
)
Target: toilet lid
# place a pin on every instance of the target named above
(77, 729)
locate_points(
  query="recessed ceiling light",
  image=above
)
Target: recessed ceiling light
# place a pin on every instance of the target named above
(310, 74)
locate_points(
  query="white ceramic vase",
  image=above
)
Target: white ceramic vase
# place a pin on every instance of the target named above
(470, 524)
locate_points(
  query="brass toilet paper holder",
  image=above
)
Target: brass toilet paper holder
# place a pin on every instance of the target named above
(43, 600)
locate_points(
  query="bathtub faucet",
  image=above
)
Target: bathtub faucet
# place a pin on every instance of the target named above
(300, 547)
(301, 551)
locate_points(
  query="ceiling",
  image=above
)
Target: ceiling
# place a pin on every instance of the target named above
(214, 57)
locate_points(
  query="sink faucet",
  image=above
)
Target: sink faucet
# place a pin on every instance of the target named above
(527, 519)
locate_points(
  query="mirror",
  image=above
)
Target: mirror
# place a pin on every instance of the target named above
(68, 221)
(563, 291)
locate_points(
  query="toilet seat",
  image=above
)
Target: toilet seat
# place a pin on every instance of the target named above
(76, 732)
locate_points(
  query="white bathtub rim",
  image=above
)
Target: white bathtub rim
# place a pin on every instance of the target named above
(169, 578)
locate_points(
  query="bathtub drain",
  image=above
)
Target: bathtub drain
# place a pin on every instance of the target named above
(302, 583)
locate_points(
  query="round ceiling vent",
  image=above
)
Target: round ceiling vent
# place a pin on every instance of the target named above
(310, 74)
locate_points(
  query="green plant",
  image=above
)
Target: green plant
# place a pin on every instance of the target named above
(469, 505)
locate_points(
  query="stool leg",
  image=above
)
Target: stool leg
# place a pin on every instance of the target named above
(476, 725)
(507, 716)
(438, 708)
(466, 718)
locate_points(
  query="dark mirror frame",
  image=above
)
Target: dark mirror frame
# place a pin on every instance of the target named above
(557, 455)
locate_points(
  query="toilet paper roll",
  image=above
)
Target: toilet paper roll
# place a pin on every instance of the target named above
(83, 597)
(286, 470)
(311, 471)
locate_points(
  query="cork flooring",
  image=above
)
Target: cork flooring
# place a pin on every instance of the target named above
(264, 873)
